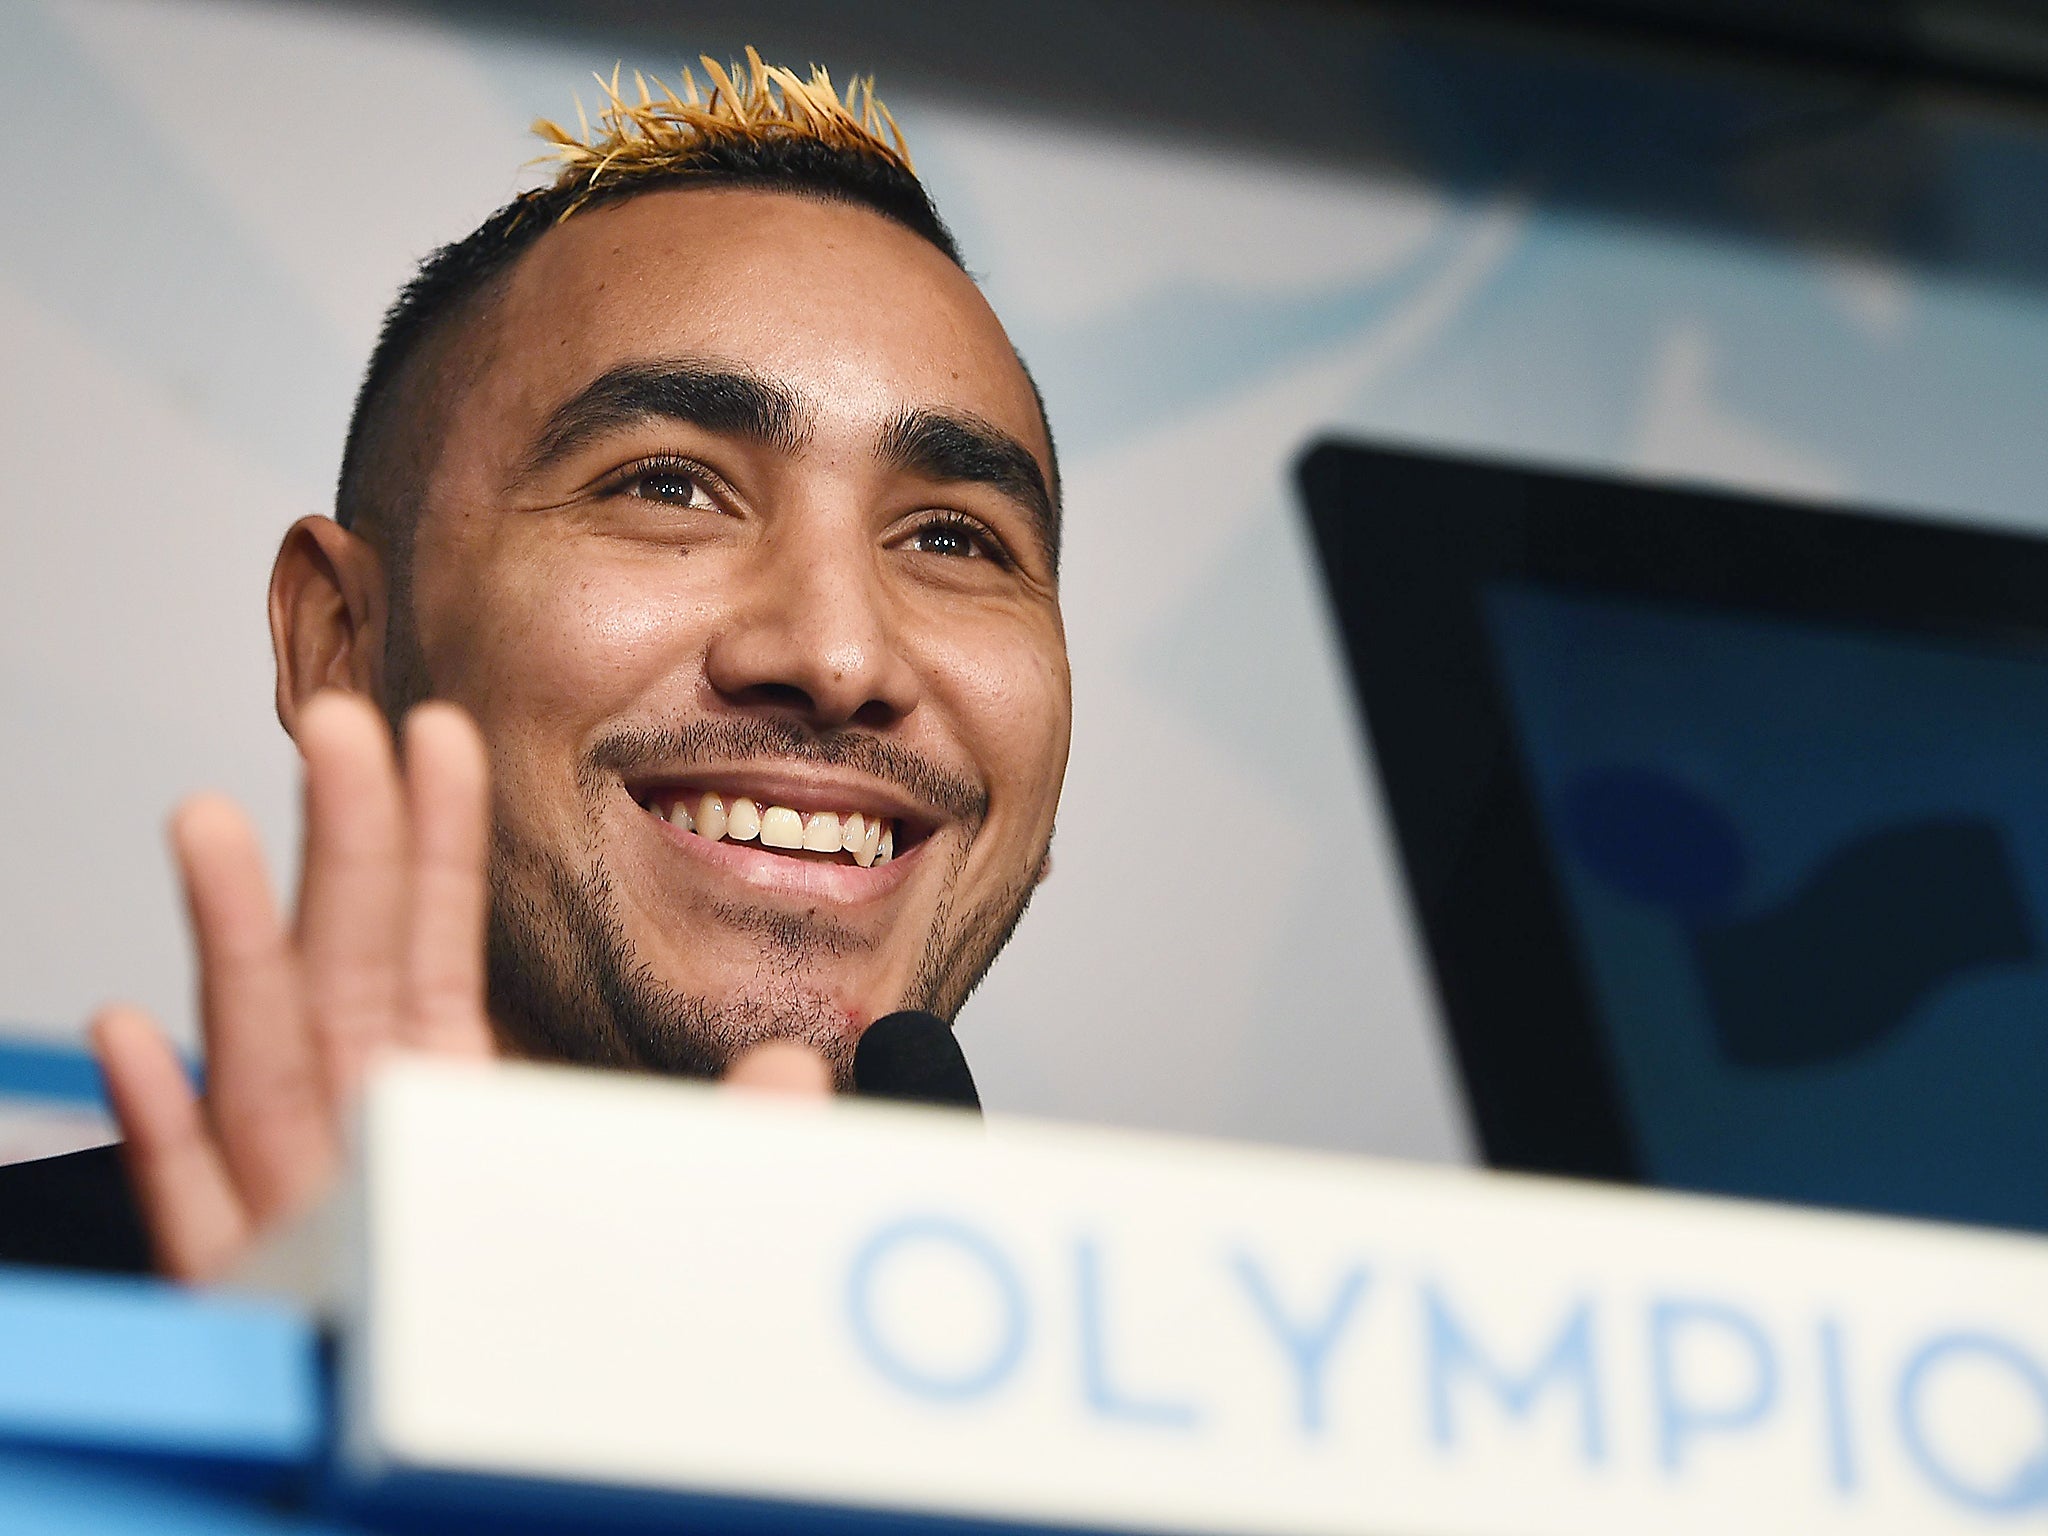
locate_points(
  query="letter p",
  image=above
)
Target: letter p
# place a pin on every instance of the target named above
(1685, 1409)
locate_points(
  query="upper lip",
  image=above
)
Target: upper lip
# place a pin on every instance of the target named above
(798, 789)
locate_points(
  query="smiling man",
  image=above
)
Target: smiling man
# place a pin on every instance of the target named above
(707, 485)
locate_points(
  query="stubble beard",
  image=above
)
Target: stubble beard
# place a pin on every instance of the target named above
(565, 984)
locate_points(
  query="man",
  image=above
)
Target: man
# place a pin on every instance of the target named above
(707, 485)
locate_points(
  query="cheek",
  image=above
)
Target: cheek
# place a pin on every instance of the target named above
(1014, 700)
(543, 647)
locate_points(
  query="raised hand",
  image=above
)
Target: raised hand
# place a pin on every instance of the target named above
(386, 948)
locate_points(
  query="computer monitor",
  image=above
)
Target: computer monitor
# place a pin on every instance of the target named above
(1725, 821)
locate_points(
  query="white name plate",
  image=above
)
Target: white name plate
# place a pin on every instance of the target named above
(576, 1279)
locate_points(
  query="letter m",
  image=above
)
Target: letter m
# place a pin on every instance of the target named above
(1566, 1365)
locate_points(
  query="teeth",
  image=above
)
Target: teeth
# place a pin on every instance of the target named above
(711, 817)
(781, 828)
(870, 839)
(743, 821)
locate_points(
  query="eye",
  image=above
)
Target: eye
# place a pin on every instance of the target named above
(673, 482)
(957, 538)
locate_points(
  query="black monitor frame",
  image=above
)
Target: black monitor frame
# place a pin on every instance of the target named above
(1408, 541)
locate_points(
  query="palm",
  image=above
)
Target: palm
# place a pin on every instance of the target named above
(385, 949)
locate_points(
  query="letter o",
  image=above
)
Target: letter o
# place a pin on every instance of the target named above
(2028, 1486)
(984, 1376)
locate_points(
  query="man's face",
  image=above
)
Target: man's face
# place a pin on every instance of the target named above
(742, 496)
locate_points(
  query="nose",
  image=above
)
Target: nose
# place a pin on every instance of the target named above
(809, 633)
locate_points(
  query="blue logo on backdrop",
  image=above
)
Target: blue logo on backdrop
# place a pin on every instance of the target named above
(1073, 1318)
(1882, 923)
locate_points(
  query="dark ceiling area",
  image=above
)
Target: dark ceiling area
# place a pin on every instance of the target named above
(1295, 63)
(2000, 44)
(1648, 110)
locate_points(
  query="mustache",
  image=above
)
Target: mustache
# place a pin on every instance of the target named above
(750, 738)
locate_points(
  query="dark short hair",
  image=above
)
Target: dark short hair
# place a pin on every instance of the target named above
(449, 279)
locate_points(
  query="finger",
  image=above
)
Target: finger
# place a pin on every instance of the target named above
(447, 784)
(265, 1096)
(352, 885)
(781, 1066)
(196, 1222)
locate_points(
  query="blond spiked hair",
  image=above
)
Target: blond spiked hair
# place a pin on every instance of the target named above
(659, 133)
(755, 126)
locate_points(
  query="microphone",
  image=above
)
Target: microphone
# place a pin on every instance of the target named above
(912, 1056)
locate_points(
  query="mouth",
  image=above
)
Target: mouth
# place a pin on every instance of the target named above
(863, 836)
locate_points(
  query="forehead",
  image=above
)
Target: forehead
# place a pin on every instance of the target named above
(857, 315)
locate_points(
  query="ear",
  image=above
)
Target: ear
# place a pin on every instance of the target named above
(329, 604)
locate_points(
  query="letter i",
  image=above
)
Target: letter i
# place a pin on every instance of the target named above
(1834, 1390)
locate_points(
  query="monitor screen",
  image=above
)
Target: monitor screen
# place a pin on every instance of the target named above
(1805, 867)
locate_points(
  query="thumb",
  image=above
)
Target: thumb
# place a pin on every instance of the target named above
(781, 1066)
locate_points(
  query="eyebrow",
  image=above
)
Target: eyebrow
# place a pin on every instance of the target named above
(954, 447)
(732, 402)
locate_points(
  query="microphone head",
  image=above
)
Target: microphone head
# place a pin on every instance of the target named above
(912, 1056)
